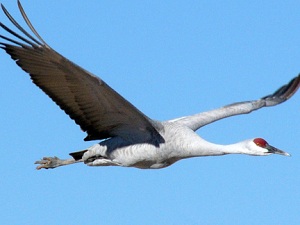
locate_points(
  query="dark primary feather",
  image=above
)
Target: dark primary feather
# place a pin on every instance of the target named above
(97, 108)
(284, 92)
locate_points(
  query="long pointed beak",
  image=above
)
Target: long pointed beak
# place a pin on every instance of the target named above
(274, 150)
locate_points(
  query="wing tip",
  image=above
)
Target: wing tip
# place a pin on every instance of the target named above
(286, 91)
(292, 87)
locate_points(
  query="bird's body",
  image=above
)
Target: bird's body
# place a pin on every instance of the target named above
(129, 138)
(179, 142)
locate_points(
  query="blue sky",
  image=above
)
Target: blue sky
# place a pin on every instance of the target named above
(170, 59)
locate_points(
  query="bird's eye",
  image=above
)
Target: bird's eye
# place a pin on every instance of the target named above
(260, 142)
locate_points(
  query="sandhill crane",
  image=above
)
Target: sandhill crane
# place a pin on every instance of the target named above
(130, 138)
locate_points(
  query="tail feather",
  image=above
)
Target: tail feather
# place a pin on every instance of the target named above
(78, 155)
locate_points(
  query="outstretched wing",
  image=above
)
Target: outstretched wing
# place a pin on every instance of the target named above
(97, 108)
(199, 120)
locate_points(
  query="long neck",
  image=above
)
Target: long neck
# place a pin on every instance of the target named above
(205, 148)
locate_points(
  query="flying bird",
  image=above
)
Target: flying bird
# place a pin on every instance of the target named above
(128, 137)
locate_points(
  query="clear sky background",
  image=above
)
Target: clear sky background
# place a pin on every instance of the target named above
(170, 59)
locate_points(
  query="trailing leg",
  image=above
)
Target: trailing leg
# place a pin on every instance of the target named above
(53, 162)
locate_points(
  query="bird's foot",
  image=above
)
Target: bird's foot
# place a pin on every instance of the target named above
(52, 162)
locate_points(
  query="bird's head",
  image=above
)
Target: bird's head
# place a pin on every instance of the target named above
(260, 147)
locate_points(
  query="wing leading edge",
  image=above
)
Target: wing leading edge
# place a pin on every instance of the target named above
(201, 119)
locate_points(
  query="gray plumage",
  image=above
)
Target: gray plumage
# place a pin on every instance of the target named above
(131, 138)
